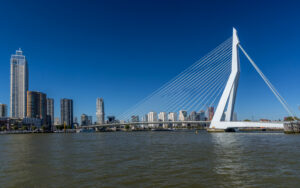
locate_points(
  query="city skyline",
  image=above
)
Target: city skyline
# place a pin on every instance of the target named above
(165, 93)
(66, 72)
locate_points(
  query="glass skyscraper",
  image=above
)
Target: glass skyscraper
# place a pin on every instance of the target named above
(66, 111)
(100, 111)
(3, 110)
(18, 85)
(50, 109)
(37, 105)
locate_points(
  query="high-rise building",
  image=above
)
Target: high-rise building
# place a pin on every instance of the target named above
(183, 117)
(198, 116)
(193, 116)
(152, 117)
(145, 118)
(202, 115)
(37, 106)
(18, 85)
(84, 120)
(50, 110)
(66, 112)
(100, 111)
(90, 120)
(211, 112)
(162, 116)
(135, 119)
(172, 116)
(3, 110)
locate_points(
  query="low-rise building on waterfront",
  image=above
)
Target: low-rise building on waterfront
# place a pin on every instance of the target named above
(8, 123)
(37, 122)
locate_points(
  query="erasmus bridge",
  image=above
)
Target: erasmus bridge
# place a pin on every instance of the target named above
(211, 81)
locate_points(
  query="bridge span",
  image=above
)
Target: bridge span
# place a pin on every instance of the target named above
(210, 82)
(144, 123)
(224, 125)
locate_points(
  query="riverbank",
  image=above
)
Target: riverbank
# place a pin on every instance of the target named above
(137, 130)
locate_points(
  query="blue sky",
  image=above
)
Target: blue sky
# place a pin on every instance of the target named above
(124, 50)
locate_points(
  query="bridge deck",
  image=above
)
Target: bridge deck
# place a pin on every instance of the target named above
(239, 124)
(221, 125)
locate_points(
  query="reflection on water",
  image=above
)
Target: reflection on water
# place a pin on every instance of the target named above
(150, 159)
(228, 162)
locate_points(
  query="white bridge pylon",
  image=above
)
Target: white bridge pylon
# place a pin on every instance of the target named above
(224, 112)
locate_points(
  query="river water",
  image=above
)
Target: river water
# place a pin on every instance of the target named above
(150, 159)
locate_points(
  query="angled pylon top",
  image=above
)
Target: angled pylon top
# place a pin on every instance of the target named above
(235, 36)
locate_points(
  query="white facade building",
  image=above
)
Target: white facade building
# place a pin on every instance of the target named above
(172, 116)
(183, 117)
(152, 117)
(162, 116)
(100, 111)
(18, 85)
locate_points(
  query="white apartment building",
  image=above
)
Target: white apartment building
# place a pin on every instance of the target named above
(152, 117)
(162, 116)
(18, 85)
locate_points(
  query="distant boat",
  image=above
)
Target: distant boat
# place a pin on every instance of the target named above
(160, 129)
(85, 130)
